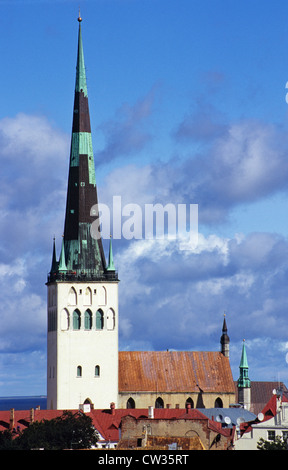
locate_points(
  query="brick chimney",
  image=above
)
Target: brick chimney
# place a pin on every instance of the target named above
(112, 408)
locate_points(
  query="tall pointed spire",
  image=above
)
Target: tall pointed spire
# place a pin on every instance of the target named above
(84, 254)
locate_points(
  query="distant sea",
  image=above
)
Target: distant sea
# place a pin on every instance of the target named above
(23, 403)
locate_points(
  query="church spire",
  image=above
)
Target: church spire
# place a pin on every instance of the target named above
(244, 380)
(84, 254)
(225, 340)
(244, 383)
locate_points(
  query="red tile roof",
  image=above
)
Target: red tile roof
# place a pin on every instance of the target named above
(174, 371)
(107, 422)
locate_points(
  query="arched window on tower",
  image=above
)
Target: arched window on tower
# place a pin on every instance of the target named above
(76, 320)
(64, 319)
(88, 320)
(102, 296)
(110, 319)
(88, 296)
(79, 371)
(97, 371)
(159, 403)
(99, 319)
(72, 297)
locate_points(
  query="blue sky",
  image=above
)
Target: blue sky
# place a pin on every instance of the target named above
(187, 105)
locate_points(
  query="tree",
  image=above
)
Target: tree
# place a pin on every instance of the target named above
(277, 444)
(68, 431)
(6, 440)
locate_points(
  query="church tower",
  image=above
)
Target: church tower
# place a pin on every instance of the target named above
(82, 337)
(244, 383)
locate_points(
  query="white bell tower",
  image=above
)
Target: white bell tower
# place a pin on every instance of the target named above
(82, 337)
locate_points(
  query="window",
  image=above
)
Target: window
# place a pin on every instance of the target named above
(64, 318)
(88, 296)
(76, 320)
(271, 435)
(218, 403)
(79, 371)
(110, 319)
(88, 320)
(97, 371)
(102, 296)
(130, 403)
(99, 320)
(190, 402)
(159, 403)
(72, 297)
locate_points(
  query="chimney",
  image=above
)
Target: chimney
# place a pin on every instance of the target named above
(12, 419)
(112, 408)
(188, 407)
(32, 415)
(150, 412)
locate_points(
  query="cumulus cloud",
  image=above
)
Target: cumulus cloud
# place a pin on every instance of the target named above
(244, 163)
(33, 158)
(165, 296)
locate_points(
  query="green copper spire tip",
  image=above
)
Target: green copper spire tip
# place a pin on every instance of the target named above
(244, 360)
(244, 380)
(110, 266)
(62, 268)
(81, 84)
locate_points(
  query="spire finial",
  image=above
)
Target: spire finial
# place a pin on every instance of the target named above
(79, 17)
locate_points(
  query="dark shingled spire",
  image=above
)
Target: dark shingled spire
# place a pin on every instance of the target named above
(84, 254)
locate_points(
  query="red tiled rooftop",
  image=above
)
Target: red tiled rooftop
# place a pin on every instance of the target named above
(105, 421)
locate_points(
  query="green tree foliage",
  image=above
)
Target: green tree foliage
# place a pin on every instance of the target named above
(6, 441)
(68, 431)
(277, 444)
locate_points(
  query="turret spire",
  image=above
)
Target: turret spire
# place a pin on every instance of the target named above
(110, 266)
(62, 268)
(54, 264)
